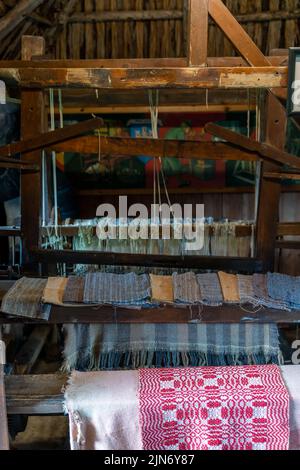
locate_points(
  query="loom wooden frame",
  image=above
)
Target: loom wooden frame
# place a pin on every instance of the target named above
(34, 74)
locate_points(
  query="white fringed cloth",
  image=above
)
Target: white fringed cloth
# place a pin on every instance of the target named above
(104, 409)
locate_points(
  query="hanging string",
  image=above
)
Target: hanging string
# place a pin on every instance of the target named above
(258, 165)
(53, 154)
(44, 179)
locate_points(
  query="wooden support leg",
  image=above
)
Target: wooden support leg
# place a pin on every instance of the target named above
(33, 121)
(269, 198)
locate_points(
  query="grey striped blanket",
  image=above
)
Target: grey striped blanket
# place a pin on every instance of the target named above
(261, 293)
(210, 289)
(130, 346)
(186, 289)
(117, 289)
(25, 299)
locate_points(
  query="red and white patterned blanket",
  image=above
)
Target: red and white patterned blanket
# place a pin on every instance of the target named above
(214, 408)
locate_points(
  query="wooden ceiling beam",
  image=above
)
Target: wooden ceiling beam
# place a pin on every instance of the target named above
(15, 16)
(236, 34)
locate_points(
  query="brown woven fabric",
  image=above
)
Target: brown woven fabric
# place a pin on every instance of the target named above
(74, 290)
(54, 290)
(25, 298)
(229, 286)
(161, 288)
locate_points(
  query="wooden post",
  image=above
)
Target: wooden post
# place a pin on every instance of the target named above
(269, 197)
(33, 122)
(197, 32)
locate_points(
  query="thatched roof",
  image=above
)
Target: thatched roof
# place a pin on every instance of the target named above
(86, 28)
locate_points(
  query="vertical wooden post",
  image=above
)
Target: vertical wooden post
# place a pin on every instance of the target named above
(269, 197)
(33, 122)
(197, 32)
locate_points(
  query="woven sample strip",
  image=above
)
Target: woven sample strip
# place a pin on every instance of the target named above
(246, 289)
(54, 290)
(25, 299)
(129, 346)
(186, 288)
(261, 293)
(229, 287)
(214, 408)
(284, 288)
(118, 289)
(74, 290)
(210, 289)
(161, 288)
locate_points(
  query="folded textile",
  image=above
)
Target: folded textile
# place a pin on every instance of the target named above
(248, 402)
(229, 287)
(210, 289)
(285, 288)
(25, 299)
(161, 288)
(246, 289)
(54, 290)
(100, 417)
(117, 289)
(74, 290)
(186, 288)
(130, 346)
(261, 293)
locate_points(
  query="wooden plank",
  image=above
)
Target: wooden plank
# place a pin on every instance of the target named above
(29, 353)
(111, 259)
(158, 148)
(164, 62)
(288, 244)
(35, 394)
(16, 15)
(236, 34)
(268, 209)
(198, 32)
(172, 108)
(265, 150)
(50, 138)
(120, 78)
(32, 46)
(281, 176)
(127, 15)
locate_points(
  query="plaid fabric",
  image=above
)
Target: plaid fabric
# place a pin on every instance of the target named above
(210, 289)
(24, 299)
(246, 290)
(284, 288)
(229, 286)
(114, 346)
(186, 288)
(261, 293)
(117, 289)
(74, 290)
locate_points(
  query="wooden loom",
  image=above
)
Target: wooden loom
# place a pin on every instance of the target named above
(196, 72)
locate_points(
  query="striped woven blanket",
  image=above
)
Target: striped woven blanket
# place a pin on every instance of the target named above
(131, 346)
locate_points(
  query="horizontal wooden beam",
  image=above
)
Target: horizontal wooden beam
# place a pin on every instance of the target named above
(120, 78)
(35, 394)
(50, 138)
(157, 148)
(124, 259)
(281, 176)
(265, 150)
(130, 15)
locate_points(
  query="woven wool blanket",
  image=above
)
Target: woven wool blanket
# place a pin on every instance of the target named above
(246, 289)
(215, 408)
(74, 290)
(161, 288)
(284, 288)
(229, 287)
(130, 346)
(25, 299)
(112, 410)
(261, 293)
(117, 289)
(210, 289)
(186, 288)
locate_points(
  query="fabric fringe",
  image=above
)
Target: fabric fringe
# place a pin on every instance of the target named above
(86, 360)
